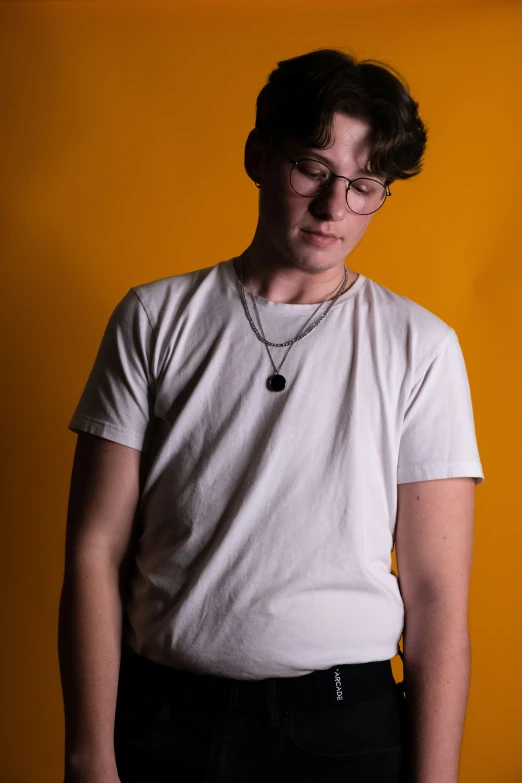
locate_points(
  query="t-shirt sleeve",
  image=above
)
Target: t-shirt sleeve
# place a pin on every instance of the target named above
(118, 399)
(438, 437)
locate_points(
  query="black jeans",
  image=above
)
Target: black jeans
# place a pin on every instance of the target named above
(347, 723)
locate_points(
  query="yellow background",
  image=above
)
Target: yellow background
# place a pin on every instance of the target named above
(122, 136)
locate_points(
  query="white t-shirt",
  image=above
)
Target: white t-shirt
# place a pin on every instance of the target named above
(268, 517)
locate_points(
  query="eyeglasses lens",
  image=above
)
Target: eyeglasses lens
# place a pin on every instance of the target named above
(310, 178)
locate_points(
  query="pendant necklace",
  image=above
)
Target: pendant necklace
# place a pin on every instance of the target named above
(277, 382)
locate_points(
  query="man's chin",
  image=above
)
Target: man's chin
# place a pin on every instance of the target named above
(316, 260)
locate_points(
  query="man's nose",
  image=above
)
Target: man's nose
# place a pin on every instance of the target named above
(331, 205)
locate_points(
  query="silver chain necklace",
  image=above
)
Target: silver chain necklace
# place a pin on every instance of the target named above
(277, 382)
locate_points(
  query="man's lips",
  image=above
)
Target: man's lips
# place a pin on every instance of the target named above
(318, 238)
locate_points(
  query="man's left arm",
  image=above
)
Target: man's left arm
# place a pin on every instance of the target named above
(434, 542)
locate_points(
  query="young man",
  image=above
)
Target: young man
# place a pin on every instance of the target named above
(253, 439)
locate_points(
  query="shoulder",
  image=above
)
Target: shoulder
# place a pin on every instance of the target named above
(405, 323)
(173, 286)
(163, 299)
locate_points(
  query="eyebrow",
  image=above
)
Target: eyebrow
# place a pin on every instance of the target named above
(316, 155)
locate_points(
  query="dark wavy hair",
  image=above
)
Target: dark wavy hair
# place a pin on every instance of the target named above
(303, 93)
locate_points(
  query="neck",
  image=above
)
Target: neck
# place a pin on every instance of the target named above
(280, 280)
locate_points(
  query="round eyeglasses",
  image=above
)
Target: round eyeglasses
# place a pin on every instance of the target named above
(311, 178)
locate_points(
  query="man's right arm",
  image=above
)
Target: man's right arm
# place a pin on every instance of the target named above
(100, 542)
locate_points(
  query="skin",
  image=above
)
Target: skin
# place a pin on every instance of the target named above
(434, 541)
(283, 263)
(434, 528)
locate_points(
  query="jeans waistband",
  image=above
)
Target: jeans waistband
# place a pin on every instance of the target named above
(322, 689)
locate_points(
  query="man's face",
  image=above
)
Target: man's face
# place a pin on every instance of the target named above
(287, 219)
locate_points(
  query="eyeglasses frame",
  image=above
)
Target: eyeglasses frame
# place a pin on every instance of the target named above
(333, 176)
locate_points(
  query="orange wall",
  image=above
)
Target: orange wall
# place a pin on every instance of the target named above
(122, 135)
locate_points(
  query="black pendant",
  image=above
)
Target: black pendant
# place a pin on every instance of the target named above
(276, 382)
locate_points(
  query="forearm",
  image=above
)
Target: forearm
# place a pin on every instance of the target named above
(437, 662)
(89, 645)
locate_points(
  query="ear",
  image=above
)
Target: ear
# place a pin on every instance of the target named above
(255, 156)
